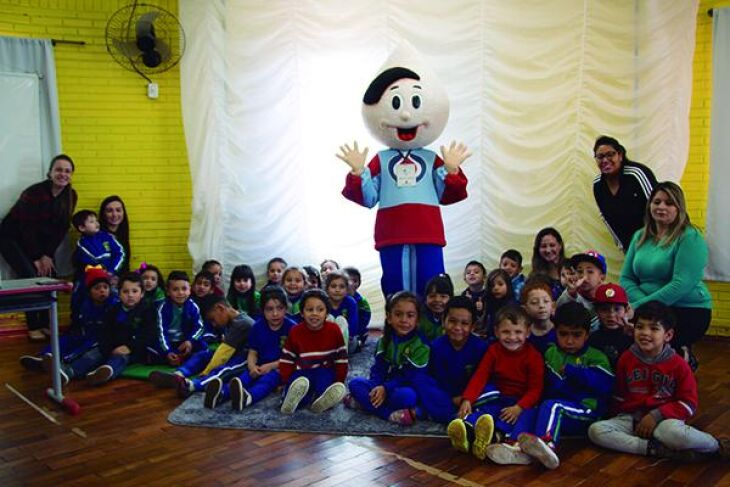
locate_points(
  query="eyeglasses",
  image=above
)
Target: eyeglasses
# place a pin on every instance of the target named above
(605, 155)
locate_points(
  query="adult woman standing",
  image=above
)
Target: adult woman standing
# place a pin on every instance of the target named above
(113, 219)
(621, 190)
(548, 254)
(34, 228)
(665, 262)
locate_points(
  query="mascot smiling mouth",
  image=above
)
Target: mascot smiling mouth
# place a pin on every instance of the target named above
(407, 133)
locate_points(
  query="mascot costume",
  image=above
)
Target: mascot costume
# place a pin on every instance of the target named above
(406, 108)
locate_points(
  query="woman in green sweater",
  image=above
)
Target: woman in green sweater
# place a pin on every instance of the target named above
(665, 262)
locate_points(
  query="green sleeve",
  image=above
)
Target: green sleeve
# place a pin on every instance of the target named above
(628, 279)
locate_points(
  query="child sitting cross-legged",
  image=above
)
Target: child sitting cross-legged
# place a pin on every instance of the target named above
(615, 335)
(511, 262)
(202, 286)
(228, 359)
(344, 305)
(655, 394)
(499, 294)
(153, 285)
(537, 299)
(401, 359)
(578, 383)
(313, 363)
(590, 271)
(242, 293)
(499, 402)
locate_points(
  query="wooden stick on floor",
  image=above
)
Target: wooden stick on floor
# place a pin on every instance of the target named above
(32, 404)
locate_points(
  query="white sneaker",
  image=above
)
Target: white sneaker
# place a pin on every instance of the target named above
(329, 398)
(100, 375)
(294, 395)
(539, 450)
(506, 454)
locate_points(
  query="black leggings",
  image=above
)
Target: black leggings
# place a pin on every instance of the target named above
(24, 268)
(692, 324)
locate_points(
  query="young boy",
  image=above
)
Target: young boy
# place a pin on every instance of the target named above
(502, 393)
(655, 394)
(615, 335)
(204, 285)
(511, 262)
(578, 383)
(454, 357)
(475, 275)
(354, 279)
(125, 337)
(228, 359)
(537, 299)
(179, 324)
(590, 271)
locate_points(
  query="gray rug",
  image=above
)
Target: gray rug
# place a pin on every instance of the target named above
(265, 415)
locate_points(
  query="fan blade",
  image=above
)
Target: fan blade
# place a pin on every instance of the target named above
(128, 48)
(163, 49)
(144, 24)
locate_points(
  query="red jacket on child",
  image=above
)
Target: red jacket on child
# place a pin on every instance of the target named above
(308, 349)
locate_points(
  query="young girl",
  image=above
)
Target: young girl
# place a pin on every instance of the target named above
(438, 292)
(313, 279)
(153, 285)
(548, 254)
(499, 293)
(313, 363)
(342, 304)
(327, 266)
(293, 281)
(275, 271)
(215, 268)
(242, 293)
(401, 360)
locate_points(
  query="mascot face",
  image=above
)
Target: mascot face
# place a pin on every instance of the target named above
(405, 110)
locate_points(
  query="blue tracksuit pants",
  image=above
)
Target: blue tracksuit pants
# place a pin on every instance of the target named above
(399, 398)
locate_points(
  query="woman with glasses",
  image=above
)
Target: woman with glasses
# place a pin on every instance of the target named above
(621, 190)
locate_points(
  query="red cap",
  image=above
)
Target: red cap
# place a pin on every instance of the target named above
(610, 294)
(94, 275)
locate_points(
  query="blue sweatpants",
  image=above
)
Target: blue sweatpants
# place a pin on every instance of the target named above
(399, 398)
(319, 380)
(409, 267)
(225, 372)
(259, 388)
(556, 417)
(525, 422)
(435, 401)
(196, 363)
(83, 363)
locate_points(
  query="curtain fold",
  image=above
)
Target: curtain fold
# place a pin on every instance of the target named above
(272, 89)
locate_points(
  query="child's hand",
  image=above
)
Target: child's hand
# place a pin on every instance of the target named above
(465, 409)
(185, 348)
(456, 400)
(510, 414)
(454, 156)
(254, 371)
(377, 396)
(645, 427)
(353, 157)
(121, 350)
(573, 284)
(173, 359)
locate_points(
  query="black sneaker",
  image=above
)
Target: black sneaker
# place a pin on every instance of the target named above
(166, 380)
(657, 449)
(212, 393)
(240, 397)
(32, 362)
(100, 375)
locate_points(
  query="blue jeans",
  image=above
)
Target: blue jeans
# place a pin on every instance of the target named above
(84, 363)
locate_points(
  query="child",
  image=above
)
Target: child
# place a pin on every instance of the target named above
(242, 293)
(228, 359)
(293, 283)
(502, 393)
(179, 324)
(275, 271)
(342, 304)
(313, 363)
(124, 339)
(499, 294)
(655, 394)
(439, 290)
(313, 279)
(567, 274)
(327, 266)
(616, 334)
(262, 374)
(454, 357)
(475, 275)
(590, 271)
(578, 383)
(537, 299)
(153, 285)
(511, 262)
(354, 279)
(202, 287)
(216, 269)
(401, 359)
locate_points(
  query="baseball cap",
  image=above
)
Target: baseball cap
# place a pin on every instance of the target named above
(610, 294)
(591, 256)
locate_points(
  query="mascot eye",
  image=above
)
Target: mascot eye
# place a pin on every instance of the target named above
(396, 102)
(416, 101)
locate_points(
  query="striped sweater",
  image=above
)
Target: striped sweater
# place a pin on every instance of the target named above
(310, 349)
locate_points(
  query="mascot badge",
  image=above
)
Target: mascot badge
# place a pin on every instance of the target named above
(406, 108)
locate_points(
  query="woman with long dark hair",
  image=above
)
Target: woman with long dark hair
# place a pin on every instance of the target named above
(113, 218)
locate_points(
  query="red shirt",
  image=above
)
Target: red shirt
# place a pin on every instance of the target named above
(308, 349)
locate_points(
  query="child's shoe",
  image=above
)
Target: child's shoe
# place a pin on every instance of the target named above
(657, 449)
(63, 370)
(185, 388)
(212, 393)
(36, 336)
(168, 380)
(724, 451)
(294, 395)
(32, 362)
(100, 375)
(507, 454)
(458, 435)
(329, 398)
(350, 402)
(240, 397)
(539, 450)
(483, 432)
(405, 417)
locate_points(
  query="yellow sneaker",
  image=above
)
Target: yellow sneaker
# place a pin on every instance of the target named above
(458, 436)
(483, 432)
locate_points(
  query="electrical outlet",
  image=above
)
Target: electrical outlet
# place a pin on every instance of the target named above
(153, 91)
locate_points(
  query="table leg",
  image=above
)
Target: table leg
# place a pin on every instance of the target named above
(57, 392)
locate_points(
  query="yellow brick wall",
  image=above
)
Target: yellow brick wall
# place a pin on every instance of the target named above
(122, 142)
(696, 175)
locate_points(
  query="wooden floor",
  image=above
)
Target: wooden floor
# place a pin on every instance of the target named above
(129, 442)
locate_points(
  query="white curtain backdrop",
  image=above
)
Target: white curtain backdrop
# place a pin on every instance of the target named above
(271, 89)
(717, 230)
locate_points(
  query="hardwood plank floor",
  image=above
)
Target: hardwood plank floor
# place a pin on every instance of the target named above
(129, 442)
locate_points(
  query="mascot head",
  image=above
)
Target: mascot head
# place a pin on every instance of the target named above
(405, 106)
